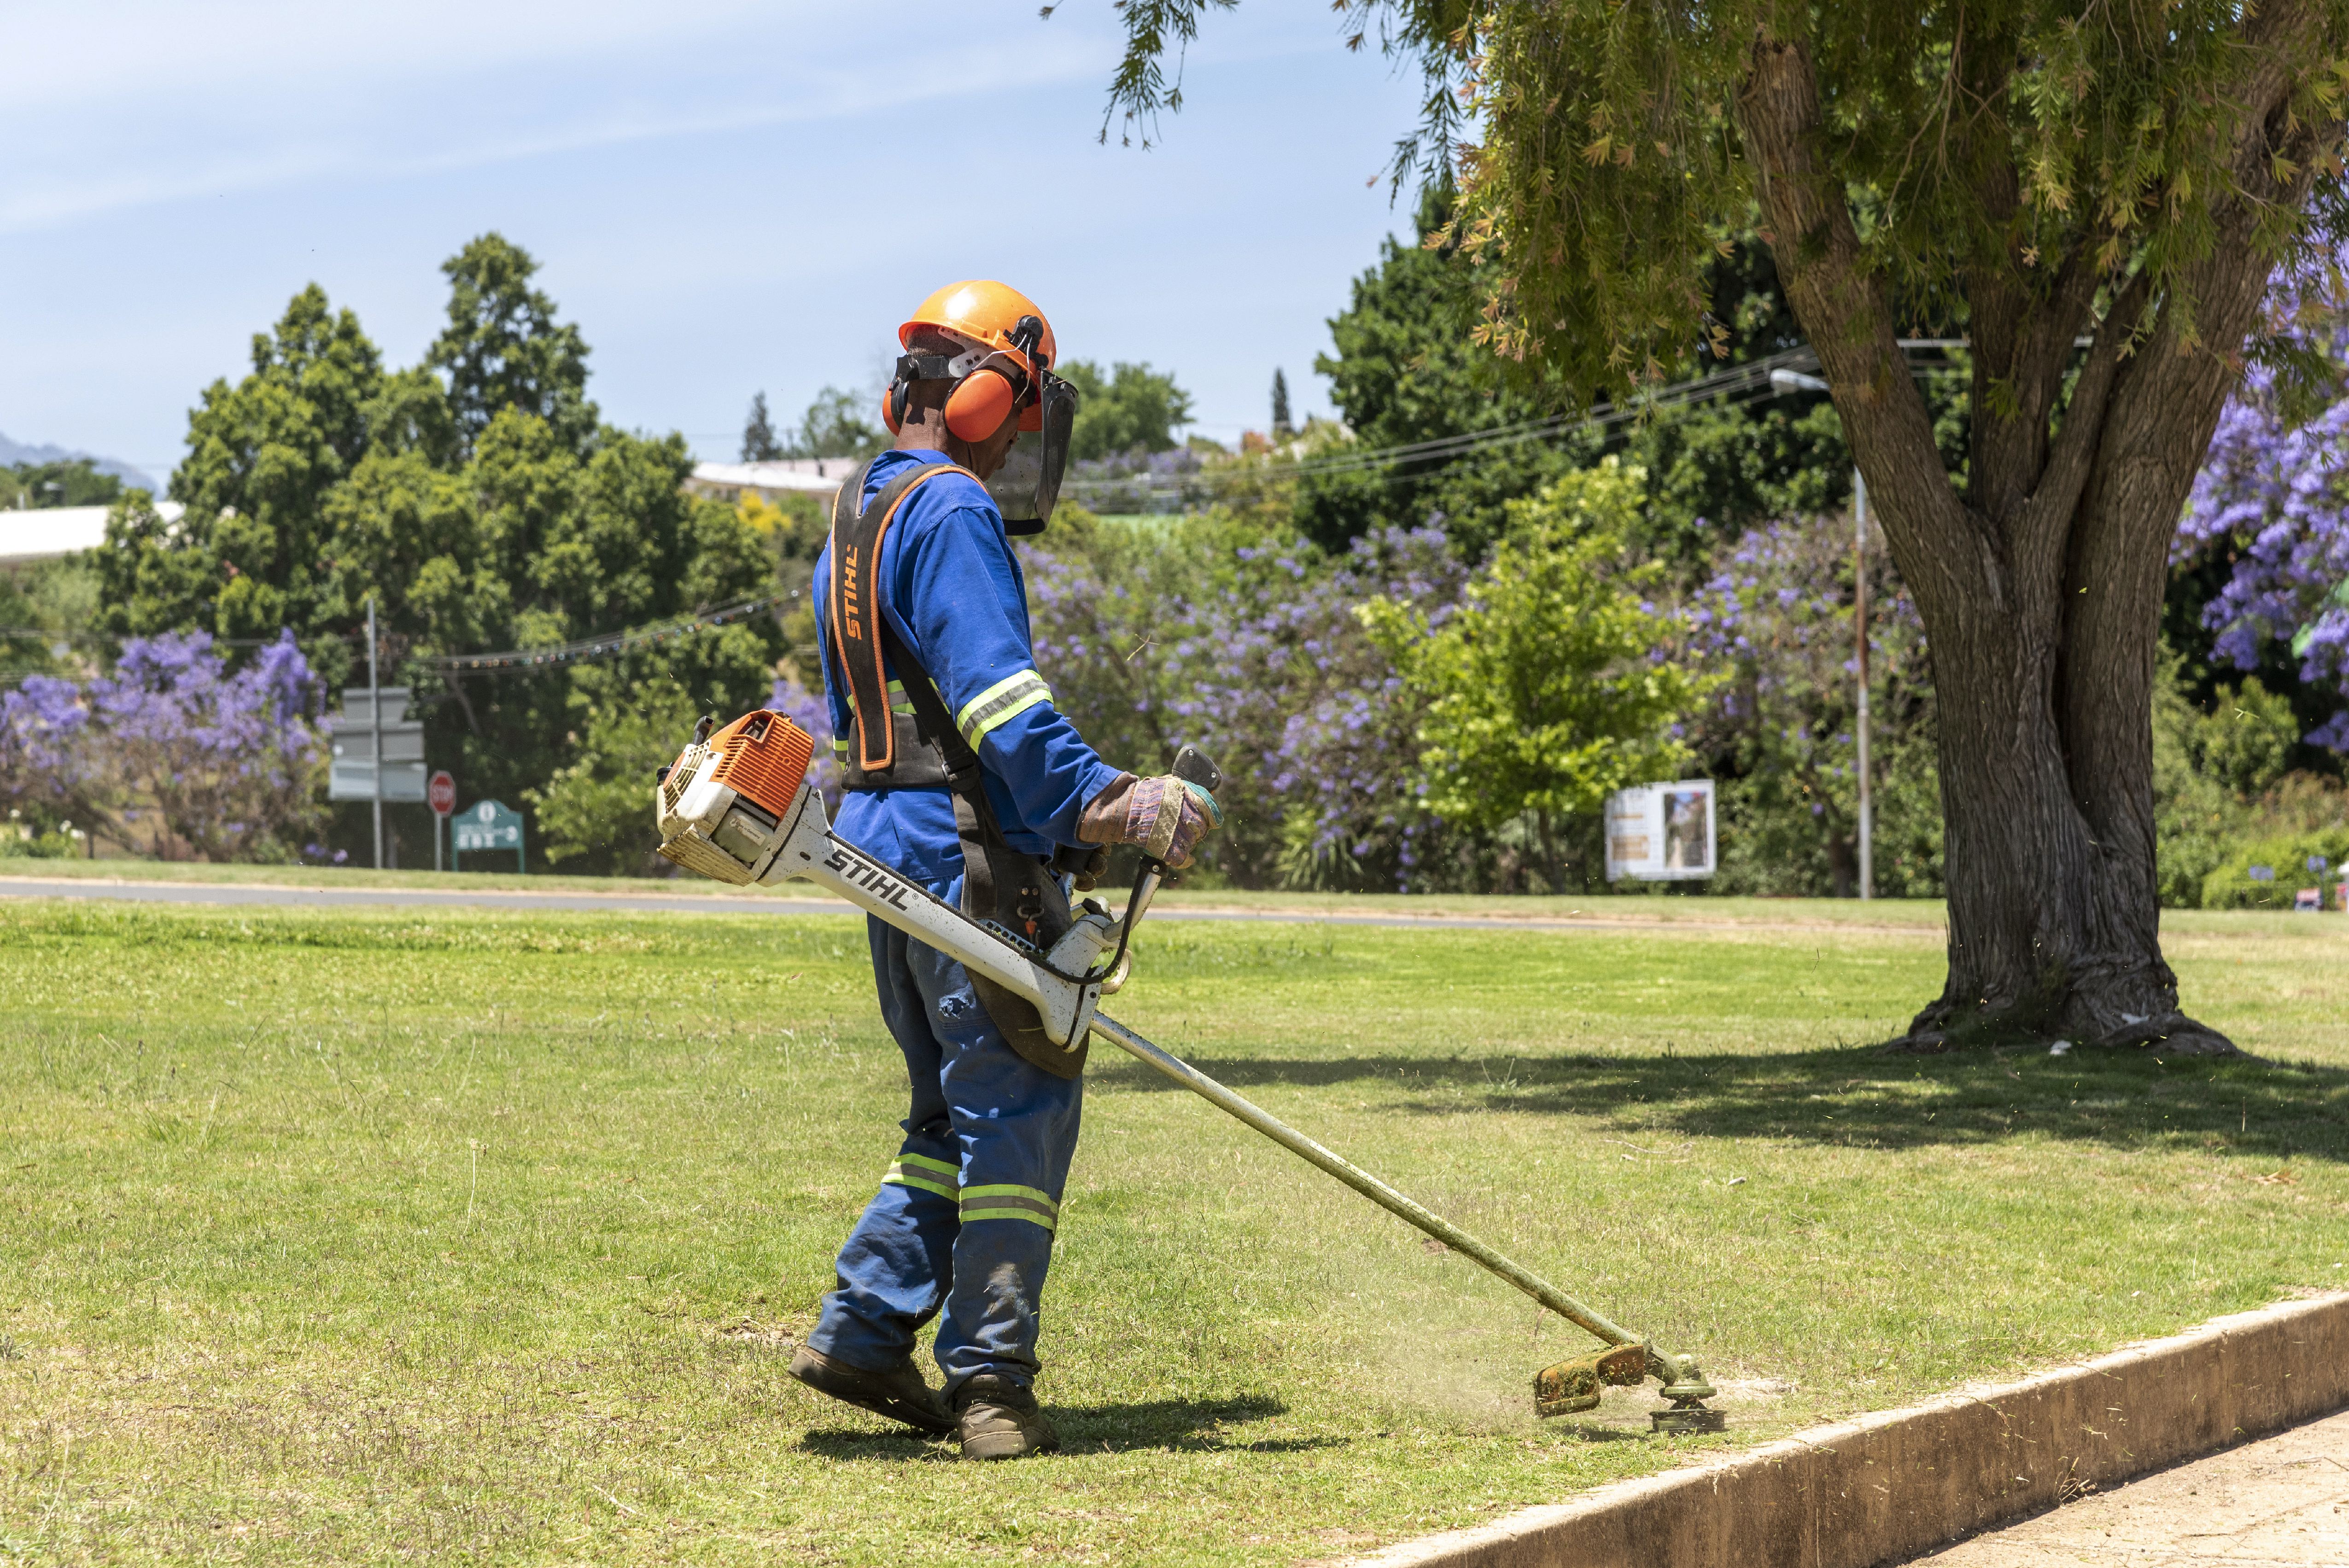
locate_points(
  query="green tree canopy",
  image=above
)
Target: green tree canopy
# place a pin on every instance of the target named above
(75, 482)
(1132, 409)
(2095, 201)
(759, 443)
(839, 424)
(1406, 370)
(504, 348)
(322, 480)
(1545, 693)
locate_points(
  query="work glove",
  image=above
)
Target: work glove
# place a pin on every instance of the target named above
(1166, 816)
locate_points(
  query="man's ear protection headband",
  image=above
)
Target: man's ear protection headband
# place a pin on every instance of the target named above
(988, 384)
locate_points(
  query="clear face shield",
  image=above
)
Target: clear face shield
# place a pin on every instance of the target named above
(1027, 486)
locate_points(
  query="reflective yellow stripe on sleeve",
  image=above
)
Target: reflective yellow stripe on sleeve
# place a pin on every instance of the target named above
(1015, 694)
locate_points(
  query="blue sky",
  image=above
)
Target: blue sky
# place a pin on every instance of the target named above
(725, 196)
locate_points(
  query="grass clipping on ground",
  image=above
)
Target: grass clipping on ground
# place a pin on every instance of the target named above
(332, 1236)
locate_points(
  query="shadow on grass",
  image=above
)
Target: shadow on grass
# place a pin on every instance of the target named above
(1170, 1426)
(1854, 1096)
(1595, 1432)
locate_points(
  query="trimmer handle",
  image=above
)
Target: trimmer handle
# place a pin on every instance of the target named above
(1194, 767)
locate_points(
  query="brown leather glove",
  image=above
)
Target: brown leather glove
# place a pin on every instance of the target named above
(1166, 816)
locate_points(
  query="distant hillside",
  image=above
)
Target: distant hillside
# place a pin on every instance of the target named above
(15, 453)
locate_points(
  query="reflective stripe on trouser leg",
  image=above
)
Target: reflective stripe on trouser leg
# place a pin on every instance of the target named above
(1016, 1127)
(911, 1170)
(897, 1264)
(1008, 1201)
(977, 1260)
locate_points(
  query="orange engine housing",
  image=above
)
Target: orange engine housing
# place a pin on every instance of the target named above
(764, 757)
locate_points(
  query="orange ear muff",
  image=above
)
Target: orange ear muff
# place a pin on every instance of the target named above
(889, 414)
(978, 407)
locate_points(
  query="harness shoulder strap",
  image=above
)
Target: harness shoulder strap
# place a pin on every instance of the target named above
(853, 606)
(1001, 884)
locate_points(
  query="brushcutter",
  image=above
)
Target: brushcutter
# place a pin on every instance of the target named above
(736, 807)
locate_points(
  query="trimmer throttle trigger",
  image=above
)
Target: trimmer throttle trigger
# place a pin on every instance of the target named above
(1194, 767)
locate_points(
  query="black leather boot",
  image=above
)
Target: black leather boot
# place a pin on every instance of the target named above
(999, 1420)
(901, 1393)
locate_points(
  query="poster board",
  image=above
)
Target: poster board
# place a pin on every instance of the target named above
(1662, 832)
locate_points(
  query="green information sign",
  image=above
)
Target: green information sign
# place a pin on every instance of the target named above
(488, 826)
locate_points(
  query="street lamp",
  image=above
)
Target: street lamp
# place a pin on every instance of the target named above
(1796, 382)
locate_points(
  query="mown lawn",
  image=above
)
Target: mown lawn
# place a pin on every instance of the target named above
(468, 1236)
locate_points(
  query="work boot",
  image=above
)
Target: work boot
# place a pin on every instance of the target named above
(901, 1393)
(999, 1420)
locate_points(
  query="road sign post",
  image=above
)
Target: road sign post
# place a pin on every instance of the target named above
(375, 722)
(377, 745)
(441, 795)
(488, 825)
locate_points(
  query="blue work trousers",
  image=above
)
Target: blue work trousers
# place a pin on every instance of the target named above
(962, 1227)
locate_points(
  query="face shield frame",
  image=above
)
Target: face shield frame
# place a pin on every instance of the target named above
(1028, 486)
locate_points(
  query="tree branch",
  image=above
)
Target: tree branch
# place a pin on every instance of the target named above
(1942, 550)
(2043, 525)
(2161, 410)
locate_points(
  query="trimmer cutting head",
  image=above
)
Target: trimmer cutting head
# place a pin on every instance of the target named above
(1572, 1387)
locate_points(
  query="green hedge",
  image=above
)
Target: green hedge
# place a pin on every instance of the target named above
(2231, 885)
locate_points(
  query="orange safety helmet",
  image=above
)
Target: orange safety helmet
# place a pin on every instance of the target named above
(1010, 348)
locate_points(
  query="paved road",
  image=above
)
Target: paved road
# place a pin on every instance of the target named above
(2280, 1503)
(691, 903)
(410, 897)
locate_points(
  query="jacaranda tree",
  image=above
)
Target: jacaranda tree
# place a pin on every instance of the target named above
(173, 753)
(2271, 510)
(2095, 196)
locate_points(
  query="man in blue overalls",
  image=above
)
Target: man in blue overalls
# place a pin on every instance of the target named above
(961, 774)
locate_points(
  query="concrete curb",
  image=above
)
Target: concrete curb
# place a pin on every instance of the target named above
(1886, 1487)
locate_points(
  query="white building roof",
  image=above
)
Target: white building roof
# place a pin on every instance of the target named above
(45, 533)
(813, 475)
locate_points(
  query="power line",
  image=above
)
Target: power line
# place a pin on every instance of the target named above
(608, 645)
(1740, 384)
(1749, 379)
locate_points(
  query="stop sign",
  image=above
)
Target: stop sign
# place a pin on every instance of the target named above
(440, 790)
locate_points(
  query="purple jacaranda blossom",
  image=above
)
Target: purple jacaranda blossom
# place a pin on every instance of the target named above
(172, 752)
(2273, 498)
(1777, 610)
(810, 713)
(1242, 638)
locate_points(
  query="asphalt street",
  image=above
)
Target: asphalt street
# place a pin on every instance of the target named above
(672, 903)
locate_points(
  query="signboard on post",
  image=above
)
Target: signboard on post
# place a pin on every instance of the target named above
(354, 772)
(1662, 832)
(441, 795)
(488, 826)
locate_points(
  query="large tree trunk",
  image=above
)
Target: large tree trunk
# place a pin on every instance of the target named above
(2041, 587)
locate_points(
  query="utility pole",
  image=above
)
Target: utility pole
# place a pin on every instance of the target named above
(1859, 623)
(375, 718)
(1796, 382)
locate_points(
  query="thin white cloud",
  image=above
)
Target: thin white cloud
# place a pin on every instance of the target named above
(394, 148)
(119, 52)
(132, 106)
